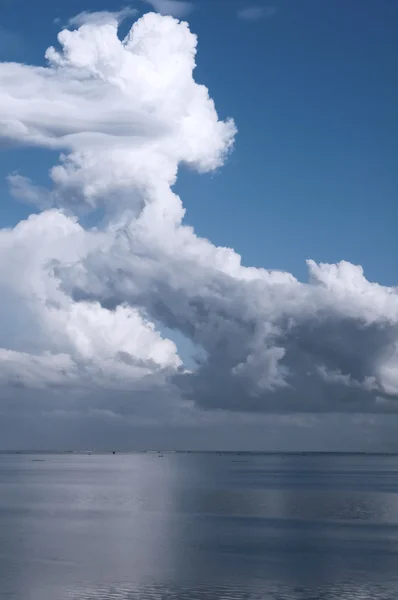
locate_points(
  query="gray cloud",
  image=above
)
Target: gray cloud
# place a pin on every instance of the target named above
(272, 343)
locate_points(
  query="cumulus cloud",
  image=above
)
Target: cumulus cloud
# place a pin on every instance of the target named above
(84, 308)
(255, 13)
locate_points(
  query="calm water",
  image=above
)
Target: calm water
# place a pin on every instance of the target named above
(198, 527)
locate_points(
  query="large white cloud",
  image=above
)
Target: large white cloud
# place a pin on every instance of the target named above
(126, 112)
(79, 305)
(52, 343)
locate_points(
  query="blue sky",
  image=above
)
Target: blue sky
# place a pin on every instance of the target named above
(314, 93)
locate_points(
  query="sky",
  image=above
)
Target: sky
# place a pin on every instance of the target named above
(198, 225)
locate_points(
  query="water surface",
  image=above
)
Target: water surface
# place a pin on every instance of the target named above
(198, 527)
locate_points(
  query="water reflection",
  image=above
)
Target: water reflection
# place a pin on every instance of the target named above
(198, 526)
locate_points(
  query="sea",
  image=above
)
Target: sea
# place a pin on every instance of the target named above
(198, 526)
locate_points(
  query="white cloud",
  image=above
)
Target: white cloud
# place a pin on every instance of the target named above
(50, 341)
(78, 305)
(255, 13)
(176, 8)
(125, 112)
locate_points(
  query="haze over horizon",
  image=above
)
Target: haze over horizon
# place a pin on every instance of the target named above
(122, 326)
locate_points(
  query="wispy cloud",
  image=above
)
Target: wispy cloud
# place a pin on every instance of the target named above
(255, 13)
(175, 8)
(99, 17)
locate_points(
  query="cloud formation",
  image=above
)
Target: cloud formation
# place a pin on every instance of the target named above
(83, 308)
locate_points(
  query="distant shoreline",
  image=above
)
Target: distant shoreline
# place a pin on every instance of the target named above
(218, 452)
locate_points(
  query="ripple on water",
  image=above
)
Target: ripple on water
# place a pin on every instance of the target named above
(343, 591)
